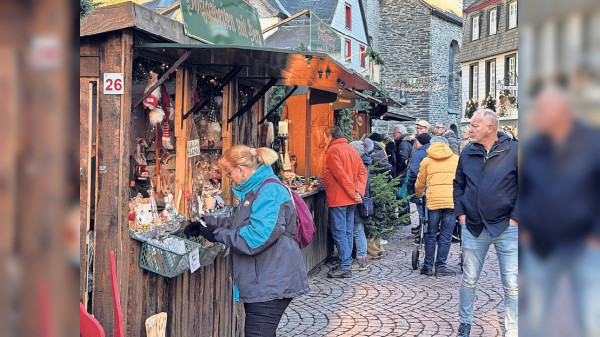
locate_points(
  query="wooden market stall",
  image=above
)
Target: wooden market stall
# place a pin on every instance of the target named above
(217, 96)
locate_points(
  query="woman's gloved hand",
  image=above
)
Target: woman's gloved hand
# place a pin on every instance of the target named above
(196, 229)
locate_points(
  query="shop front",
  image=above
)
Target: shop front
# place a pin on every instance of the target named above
(157, 109)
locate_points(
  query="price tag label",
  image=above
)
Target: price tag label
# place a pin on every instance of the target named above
(194, 257)
(193, 148)
(113, 83)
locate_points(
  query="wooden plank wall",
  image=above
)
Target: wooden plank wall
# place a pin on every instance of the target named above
(320, 246)
(198, 304)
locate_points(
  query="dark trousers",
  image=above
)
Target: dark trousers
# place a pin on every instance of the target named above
(442, 221)
(262, 318)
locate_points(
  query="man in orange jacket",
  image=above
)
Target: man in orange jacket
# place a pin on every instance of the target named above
(345, 179)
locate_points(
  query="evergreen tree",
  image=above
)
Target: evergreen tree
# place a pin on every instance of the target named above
(386, 219)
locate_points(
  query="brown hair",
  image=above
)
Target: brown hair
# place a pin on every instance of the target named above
(243, 155)
(334, 131)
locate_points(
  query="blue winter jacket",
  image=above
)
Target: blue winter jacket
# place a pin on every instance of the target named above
(413, 169)
(266, 264)
(486, 186)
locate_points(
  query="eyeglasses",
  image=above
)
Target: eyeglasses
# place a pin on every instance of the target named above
(228, 174)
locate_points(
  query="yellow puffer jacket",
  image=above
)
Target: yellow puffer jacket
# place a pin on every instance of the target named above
(436, 173)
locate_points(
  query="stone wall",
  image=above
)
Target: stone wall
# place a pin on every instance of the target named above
(415, 43)
(372, 10)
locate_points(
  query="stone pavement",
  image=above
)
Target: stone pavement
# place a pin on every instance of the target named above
(390, 299)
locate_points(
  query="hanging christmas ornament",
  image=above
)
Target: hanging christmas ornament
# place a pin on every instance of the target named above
(166, 103)
(153, 99)
(166, 135)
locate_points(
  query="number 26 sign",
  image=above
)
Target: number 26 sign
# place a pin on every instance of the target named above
(113, 83)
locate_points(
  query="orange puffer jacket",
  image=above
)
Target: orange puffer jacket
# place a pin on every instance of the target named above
(436, 173)
(344, 174)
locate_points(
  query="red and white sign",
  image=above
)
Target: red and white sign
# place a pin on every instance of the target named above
(113, 83)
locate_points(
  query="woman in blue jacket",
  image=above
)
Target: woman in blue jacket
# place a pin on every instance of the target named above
(268, 268)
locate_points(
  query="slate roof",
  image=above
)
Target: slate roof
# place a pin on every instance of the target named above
(447, 8)
(324, 9)
(289, 37)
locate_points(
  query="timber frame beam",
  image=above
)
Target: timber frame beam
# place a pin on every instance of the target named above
(253, 100)
(162, 78)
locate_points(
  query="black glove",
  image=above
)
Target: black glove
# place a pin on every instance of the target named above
(196, 229)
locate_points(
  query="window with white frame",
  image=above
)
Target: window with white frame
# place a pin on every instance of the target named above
(474, 82)
(475, 28)
(512, 70)
(512, 15)
(490, 83)
(493, 21)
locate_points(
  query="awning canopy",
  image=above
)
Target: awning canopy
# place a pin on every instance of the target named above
(289, 68)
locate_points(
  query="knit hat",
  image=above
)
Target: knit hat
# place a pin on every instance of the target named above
(424, 138)
(359, 145)
(369, 146)
(376, 137)
(439, 139)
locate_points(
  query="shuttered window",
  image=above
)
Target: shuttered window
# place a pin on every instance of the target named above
(348, 16)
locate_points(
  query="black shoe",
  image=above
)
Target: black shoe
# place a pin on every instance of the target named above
(444, 272)
(415, 230)
(339, 273)
(464, 330)
(426, 271)
(417, 241)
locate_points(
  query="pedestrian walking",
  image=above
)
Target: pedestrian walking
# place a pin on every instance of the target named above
(436, 174)
(403, 149)
(345, 179)
(441, 130)
(485, 203)
(422, 144)
(360, 218)
(268, 268)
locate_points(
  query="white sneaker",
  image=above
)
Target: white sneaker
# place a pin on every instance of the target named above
(383, 242)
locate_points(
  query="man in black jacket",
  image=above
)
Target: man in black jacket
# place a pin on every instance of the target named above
(403, 149)
(486, 205)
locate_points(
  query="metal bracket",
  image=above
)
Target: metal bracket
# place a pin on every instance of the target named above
(253, 100)
(278, 105)
(230, 76)
(162, 78)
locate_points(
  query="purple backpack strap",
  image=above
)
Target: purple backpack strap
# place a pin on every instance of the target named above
(270, 180)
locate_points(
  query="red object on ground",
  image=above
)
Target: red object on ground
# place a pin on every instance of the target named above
(88, 325)
(118, 314)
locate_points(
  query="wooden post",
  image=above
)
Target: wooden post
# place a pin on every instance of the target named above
(230, 105)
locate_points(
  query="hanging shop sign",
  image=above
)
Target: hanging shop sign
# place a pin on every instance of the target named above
(230, 22)
(322, 38)
(113, 83)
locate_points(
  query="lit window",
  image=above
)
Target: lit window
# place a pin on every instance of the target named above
(475, 31)
(512, 15)
(493, 21)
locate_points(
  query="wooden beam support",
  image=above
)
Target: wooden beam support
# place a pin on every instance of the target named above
(162, 78)
(304, 12)
(253, 100)
(230, 76)
(278, 105)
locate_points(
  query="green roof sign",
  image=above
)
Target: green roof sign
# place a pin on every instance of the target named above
(231, 22)
(322, 38)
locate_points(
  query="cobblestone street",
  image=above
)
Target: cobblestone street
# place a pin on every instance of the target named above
(390, 299)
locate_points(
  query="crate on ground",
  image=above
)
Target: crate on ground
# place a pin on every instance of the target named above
(169, 257)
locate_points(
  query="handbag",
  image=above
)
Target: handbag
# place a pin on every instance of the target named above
(402, 191)
(366, 208)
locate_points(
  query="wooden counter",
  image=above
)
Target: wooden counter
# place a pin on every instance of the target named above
(318, 249)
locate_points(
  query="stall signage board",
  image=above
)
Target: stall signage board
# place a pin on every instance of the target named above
(228, 22)
(194, 258)
(323, 39)
(113, 83)
(193, 148)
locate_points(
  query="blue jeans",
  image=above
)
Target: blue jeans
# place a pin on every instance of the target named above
(445, 217)
(361, 240)
(474, 251)
(540, 279)
(342, 228)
